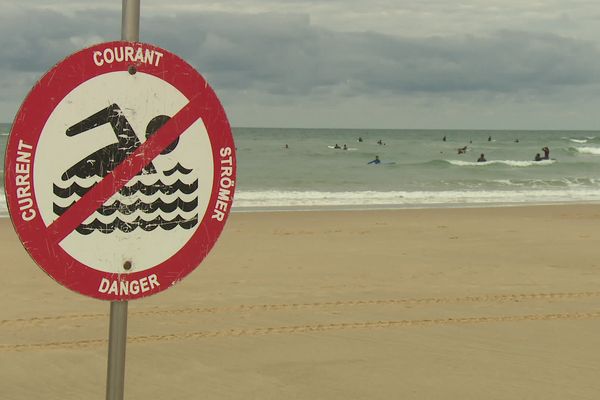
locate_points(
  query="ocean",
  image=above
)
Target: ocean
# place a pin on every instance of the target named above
(418, 168)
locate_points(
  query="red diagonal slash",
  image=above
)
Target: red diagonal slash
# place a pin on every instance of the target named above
(124, 172)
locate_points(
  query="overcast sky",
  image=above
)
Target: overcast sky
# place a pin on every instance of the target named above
(469, 64)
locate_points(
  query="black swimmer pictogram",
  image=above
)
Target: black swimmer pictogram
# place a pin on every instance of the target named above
(145, 199)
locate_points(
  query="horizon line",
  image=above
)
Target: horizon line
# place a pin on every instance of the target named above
(407, 129)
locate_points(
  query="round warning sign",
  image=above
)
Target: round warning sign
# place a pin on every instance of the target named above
(120, 170)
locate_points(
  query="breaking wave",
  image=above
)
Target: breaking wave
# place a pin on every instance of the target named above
(511, 163)
(273, 199)
(588, 150)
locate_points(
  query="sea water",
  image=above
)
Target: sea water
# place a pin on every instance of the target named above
(283, 168)
(418, 168)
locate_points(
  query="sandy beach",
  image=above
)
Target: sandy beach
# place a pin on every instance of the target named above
(471, 303)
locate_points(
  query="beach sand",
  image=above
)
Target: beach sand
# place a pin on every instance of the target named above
(472, 303)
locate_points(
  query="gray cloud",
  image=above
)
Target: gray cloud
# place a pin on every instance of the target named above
(283, 57)
(286, 55)
(34, 40)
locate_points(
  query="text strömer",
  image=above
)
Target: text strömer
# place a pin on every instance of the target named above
(226, 184)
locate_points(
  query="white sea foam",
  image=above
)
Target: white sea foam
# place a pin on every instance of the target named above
(366, 199)
(274, 199)
(512, 163)
(589, 150)
(578, 140)
(3, 206)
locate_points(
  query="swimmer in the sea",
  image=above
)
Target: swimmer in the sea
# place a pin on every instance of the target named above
(375, 161)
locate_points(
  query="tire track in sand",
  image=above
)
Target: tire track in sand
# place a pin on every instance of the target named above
(498, 298)
(296, 329)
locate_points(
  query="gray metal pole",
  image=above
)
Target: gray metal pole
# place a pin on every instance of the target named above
(117, 336)
(130, 23)
(117, 340)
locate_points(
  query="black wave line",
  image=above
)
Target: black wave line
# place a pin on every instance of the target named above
(178, 168)
(148, 190)
(67, 192)
(148, 208)
(127, 227)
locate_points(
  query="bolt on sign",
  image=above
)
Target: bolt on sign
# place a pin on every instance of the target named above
(120, 170)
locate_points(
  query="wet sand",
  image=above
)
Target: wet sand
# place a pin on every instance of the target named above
(490, 303)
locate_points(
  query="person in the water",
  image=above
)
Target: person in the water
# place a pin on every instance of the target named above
(375, 161)
(481, 158)
(546, 151)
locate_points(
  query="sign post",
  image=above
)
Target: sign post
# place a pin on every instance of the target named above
(117, 334)
(117, 341)
(120, 173)
(130, 21)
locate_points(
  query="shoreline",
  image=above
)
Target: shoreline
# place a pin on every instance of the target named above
(391, 207)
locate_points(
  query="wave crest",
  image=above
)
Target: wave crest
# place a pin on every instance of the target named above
(588, 150)
(511, 163)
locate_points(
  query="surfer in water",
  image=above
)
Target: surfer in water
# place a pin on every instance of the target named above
(546, 151)
(375, 161)
(462, 150)
(481, 158)
(538, 157)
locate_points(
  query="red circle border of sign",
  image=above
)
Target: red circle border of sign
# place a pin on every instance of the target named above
(29, 122)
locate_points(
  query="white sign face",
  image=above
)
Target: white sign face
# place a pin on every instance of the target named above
(180, 187)
(120, 170)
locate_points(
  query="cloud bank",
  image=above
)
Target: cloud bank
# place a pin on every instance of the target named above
(257, 61)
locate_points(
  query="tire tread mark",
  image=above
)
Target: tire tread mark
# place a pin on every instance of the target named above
(503, 298)
(295, 329)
